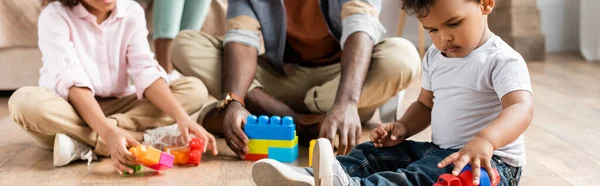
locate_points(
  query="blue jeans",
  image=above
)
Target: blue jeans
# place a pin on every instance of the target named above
(409, 164)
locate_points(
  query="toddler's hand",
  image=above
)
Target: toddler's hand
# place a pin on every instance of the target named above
(388, 134)
(478, 152)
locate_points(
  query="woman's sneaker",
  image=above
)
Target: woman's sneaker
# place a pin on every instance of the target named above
(269, 172)
(326, 168)
(67, 149)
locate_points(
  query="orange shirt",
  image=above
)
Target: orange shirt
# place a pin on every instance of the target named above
(308, 39)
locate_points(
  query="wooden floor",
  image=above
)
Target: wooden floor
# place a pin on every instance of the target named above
(563, 142)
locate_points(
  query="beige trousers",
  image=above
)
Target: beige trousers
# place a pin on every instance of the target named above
(43, 114)
(395, 63)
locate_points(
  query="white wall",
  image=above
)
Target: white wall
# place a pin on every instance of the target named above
(559, 23)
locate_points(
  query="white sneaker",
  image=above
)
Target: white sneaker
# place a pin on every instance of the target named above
(269, 172)
(173, 75)
(326, 167)
(67, 149)
(161, 137)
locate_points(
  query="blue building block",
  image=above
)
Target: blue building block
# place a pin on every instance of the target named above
(274, 128)
(284, 154)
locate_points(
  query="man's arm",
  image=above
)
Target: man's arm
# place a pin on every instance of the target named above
(239, 68)
(343, 117)
(361, 31)
(355, 62)
(241, 45)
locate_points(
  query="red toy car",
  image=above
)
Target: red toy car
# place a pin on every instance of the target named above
(465, 178)
(192, 154)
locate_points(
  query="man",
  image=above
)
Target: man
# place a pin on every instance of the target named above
(322, 62)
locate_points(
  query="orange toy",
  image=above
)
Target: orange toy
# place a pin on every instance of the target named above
(152, 158)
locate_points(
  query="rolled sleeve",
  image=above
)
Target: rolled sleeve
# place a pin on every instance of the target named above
(245, 37)
(141, 65)
(144, 76)
(242, 25)
(362, 16)
(72, 77)
(59, 56)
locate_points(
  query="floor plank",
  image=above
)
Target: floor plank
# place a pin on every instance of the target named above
(534, 173)
(102, 173)
(569, 163)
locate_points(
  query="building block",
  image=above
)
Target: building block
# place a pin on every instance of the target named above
(182, 154)
(136, 168)
(271, 137)
(274, 128)
(166, 162)
(465, 178)
(147, 156)
(255, 157)
(284, 154)
(284, 143)
(192, 154)
(258, 146)
(152, 158)
(310, 152)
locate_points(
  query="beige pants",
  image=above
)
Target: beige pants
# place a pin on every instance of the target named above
(395, 63)
(43, 114)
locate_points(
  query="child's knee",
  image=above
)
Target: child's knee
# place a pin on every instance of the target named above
(23, 104)
(29, 106)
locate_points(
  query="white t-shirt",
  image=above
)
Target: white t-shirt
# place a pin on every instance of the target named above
(467, 93)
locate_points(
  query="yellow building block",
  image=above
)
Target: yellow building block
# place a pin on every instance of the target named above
(258, 146)
(148, 156)
(284, 143)
(310, 152)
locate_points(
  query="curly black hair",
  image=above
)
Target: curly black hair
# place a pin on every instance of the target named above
(420, 8)
(69, 3)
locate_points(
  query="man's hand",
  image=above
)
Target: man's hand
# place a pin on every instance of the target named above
(478, 152)
(388, 134)
(117, 141)
(236, 139)
(345, 122)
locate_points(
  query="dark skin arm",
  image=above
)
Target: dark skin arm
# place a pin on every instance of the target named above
(343, 118)
(516, 116)
(416, 119)
(239, 69)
